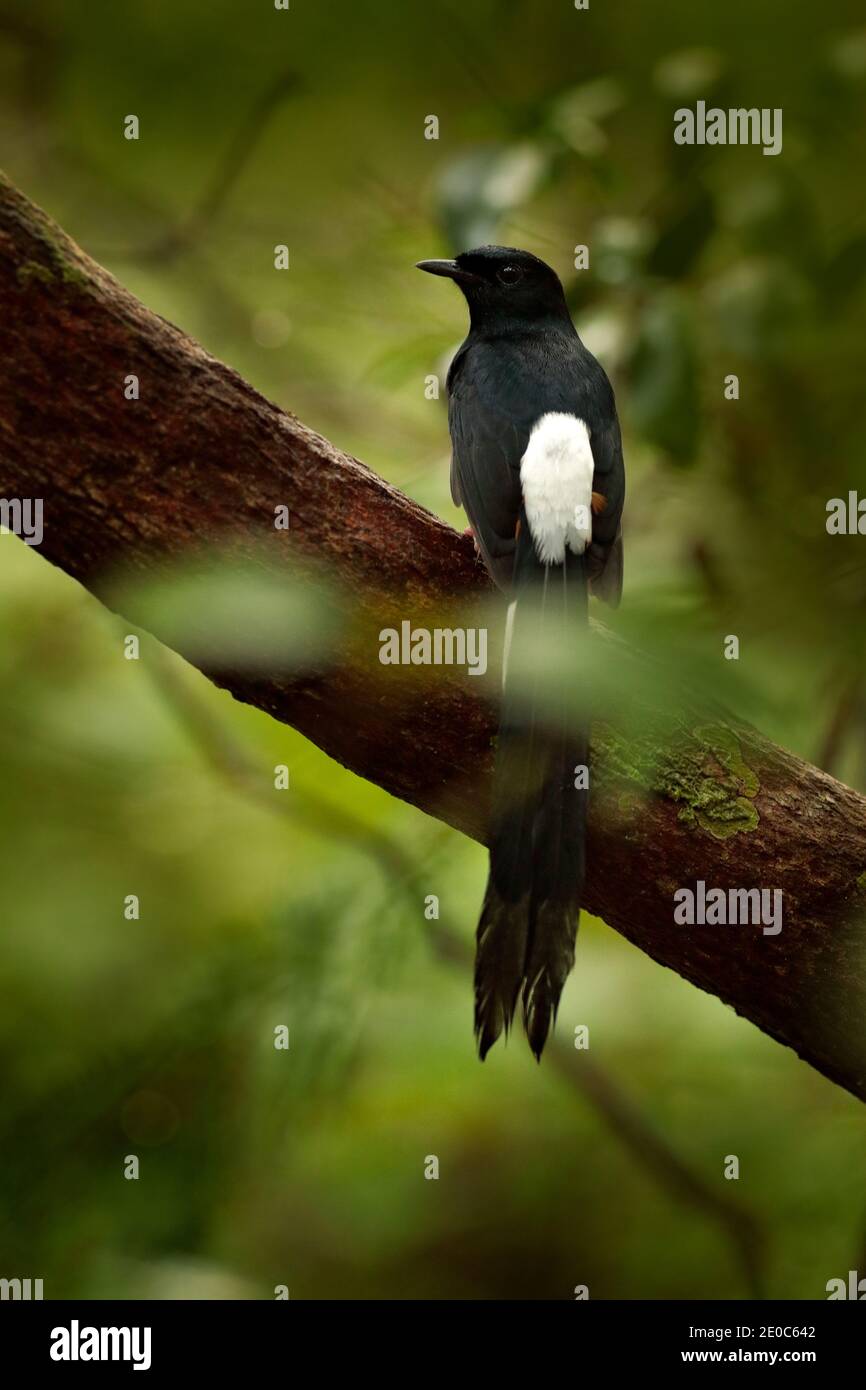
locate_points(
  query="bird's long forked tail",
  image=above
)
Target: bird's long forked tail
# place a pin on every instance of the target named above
(529, 918)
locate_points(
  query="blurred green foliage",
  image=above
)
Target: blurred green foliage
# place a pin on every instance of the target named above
(305, 1167)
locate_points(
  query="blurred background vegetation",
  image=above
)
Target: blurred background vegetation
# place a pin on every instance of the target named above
(305, 1168)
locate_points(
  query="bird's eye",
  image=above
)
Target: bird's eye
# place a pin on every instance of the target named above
(509, 275)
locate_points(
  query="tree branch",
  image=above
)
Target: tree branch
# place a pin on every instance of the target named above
(678, 796)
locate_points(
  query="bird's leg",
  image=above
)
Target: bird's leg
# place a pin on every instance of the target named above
(470, 532)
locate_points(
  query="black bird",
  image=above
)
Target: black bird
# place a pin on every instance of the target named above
(537, 464)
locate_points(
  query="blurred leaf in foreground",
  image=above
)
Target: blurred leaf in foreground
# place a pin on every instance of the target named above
(229, 611)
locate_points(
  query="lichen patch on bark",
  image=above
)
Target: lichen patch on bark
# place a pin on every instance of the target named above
(702, 769)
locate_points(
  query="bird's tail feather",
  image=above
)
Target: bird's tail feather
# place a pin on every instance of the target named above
(528, 925)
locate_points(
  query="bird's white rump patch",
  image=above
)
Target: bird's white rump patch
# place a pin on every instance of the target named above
(556, 478)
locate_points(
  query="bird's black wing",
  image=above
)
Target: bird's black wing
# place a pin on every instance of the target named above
(488, 443)
(605, 556)
(455, 483)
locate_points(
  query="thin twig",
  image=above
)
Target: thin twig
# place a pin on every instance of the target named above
(842, 714)
(189, 232)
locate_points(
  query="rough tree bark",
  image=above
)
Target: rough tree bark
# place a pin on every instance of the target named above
(202, 456)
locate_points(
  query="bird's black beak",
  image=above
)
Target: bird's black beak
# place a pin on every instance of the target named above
(450, 269)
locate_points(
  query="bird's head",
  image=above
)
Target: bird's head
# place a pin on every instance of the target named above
(503, 284)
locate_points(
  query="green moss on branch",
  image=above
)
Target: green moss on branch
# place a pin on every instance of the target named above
(702, 770)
